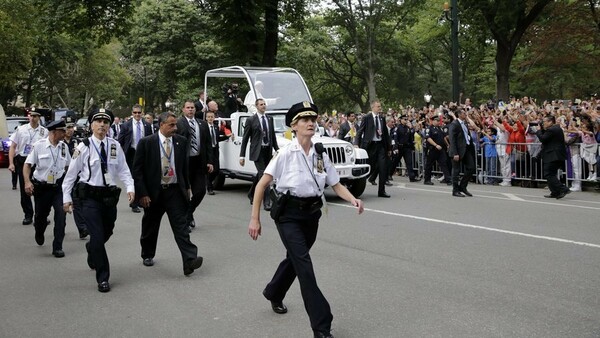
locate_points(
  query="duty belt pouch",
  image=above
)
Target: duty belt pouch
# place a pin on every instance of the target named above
(278, 202)
(111, 198)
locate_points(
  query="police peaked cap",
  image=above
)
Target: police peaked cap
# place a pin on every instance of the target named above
(33, 112)
(103, 114)
(300, 110)
(57, 125)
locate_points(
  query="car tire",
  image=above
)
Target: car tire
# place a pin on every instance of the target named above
(357, 187)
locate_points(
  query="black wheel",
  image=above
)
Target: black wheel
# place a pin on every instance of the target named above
(357, 187)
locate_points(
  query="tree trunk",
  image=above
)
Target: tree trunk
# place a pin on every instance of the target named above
(503, 60)
(371, 85)
(271, 33)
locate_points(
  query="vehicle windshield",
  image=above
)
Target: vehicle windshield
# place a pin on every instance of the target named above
(279, 123)
(82, 121)
(12, 125)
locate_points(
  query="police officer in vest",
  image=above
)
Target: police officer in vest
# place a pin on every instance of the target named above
(98, 161)
(436, 151)
(51, 157)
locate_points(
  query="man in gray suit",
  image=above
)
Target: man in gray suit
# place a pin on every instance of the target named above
(462, 151)
(554, 155)
(260, 131)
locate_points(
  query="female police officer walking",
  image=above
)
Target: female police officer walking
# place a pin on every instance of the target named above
(98, 161)
(301, 171)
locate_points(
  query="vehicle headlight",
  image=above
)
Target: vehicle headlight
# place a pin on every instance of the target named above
(349, 150)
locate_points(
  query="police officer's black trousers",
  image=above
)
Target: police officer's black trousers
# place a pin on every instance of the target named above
(100, 221)
(46, 198)
(173, 202)
(439, 156)
(77, 216)
(406, 153)
(298, 232)
(26, 204)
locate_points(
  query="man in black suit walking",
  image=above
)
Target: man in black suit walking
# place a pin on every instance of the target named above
(260, 131)
(216, 136)
(372, 135)
(131, 133)
(347, 130)
(462, 151)
(160, 172)
(554, 155)
(200, 155)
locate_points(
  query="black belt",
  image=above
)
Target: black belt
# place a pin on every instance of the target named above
(305, 203)
(44, 185)
(266, 147)
(167, 186)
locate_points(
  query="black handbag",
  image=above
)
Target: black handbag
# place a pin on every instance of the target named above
(278, 202)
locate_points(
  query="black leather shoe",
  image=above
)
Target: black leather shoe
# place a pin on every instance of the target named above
(83, 234)
(104, 287)
(89, 258)
(192, 224)
(383, 194)
(148, 261)
(136, 210)
(372, 182)
(319, 334)
(277, 307)
(58, 253)
(267, 207)
(210, 192)
(39, 238)
(415, 180)
(190, 266)
(457, 194)
(550, 196)
(389, 184)
(27, 220)
(466, 192)
(428, 183)
(563, 194)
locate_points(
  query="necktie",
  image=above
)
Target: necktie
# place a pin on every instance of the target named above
(466, 131)
(166, 163)
(193, 137)
(103, 158)
(213, 135)
(265, 130)
(377, 125)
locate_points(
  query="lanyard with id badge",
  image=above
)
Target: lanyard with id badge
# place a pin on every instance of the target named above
(104, 160)
(29, 145)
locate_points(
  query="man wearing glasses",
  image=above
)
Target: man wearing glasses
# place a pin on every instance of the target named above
(131, 133)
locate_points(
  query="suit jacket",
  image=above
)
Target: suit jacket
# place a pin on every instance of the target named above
(147, 170)
(553, 144)
(253, 132)
(220, 134)
(458, 143)
(366, 132)
(126, 135)
(344, 130)
(205, 153)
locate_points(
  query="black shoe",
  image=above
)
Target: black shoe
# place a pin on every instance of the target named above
(428, 183)
(457, 194)
(58, 253)
(89, 258)
(136, 210)
(39, 238)
(210, 192)
(27, 220)
(14, 188)
(192, 224)
(415, 179)
(267, 207)
(372, 182)
(466, 192)
(277, 307)
(446, 181)
(47, 222)
(389, 184)
(104, 287)
(551, 196)
(148, 261)
(319, 334)
(563, 194)
(83, 234)
(190, 266)
(383, 194)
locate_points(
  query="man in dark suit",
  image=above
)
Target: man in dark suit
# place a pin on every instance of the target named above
(347, 130)
(462, 151)
(372, 135)
(131, 133)
(216, 135)
(554, 155)
(160, 172)
(200, 106)
(200, 155)
(260, 131)
(405, 140)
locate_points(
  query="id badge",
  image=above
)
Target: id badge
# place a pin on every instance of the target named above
(50, 178)
(108, 179)
(27, 149)
(170, 172)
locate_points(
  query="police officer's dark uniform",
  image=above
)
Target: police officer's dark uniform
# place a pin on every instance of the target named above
(436, 151)
(50, 156)
(72, 142)
(98, 161)
(405, 139)
(300, 173)
(395, 158)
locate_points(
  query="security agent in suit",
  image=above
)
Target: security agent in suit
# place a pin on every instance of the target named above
(50, 157)
(347, 130)
(161, 172)
(131, 133)
(372, 135)
(436, 150)
(260, 131)
(216, 135)
(200, 155)
(462, 152)
(302, 172)
(98, 161)
(554, 155)
(405, 140)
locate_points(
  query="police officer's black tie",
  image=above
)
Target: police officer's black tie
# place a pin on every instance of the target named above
(104, 158)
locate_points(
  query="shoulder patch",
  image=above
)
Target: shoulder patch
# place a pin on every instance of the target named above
(76, 153)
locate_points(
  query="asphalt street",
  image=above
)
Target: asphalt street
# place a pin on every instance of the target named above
(505, 263)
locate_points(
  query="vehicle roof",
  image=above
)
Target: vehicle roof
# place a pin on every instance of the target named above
(242, 71)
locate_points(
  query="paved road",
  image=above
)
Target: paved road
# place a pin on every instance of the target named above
(507, 263)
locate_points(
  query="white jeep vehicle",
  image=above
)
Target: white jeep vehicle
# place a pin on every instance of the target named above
(282, 87)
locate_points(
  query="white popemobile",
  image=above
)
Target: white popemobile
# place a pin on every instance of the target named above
(281, 88)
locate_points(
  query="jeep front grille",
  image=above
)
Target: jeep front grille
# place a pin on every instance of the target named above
(337, 155)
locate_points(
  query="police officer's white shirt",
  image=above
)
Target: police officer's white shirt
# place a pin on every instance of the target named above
(50, 161)
(117, 166)
(291, 170)
(25, 136)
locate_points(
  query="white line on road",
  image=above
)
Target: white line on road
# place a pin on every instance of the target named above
(472, 226)
(513, 197)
